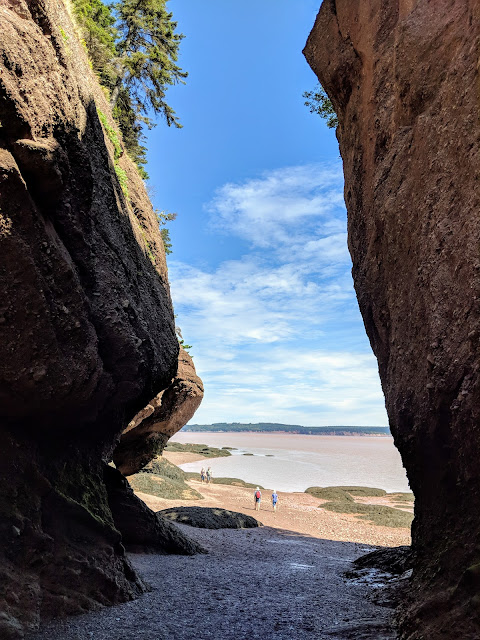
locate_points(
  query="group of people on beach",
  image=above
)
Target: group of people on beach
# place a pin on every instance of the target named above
(206, 476)
(257, 498)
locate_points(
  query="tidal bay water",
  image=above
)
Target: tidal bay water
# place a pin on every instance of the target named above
(289, 462)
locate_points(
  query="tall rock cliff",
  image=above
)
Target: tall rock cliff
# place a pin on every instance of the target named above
(87, 334)
(403, 77)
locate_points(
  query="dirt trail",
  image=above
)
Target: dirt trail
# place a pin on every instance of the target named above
(263, 583)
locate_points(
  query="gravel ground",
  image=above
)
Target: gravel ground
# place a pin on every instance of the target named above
(266, 583)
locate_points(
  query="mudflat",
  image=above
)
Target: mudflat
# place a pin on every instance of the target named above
(290, 462)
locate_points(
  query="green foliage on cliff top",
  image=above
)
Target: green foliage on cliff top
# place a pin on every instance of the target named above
(147, 54)
(163, 218)
(199, 449)
(99, 34)
(133, 49)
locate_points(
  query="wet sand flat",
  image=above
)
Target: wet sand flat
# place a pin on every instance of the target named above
(293, 462)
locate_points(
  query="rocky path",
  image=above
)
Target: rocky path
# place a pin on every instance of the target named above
(263, 583)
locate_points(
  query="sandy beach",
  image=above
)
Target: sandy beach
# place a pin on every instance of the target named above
(296, 512)
(180, 457)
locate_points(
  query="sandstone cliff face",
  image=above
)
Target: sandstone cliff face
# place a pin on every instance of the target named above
(403, 77)
(147, 434)
(87, 334)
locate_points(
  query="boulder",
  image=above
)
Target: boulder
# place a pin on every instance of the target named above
(147, 434)
(403, 78)
(394, 560)
(209, 518)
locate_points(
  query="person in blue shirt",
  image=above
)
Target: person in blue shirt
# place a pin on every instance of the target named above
(274, 500)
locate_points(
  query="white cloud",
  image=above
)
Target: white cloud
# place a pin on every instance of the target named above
(281, 205)
(277, 334)
(288, 386)
(249, 301)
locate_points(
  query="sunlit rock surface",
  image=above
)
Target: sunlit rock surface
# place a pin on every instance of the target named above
(147, 434)
(87, 333)
(403, 77)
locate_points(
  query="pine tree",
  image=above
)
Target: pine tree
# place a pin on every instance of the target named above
(146, 63)
(97, 23)
(131, 127)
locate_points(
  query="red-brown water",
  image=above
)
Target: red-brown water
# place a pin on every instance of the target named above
(289, 462)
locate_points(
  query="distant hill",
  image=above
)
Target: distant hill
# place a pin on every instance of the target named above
(265, 427)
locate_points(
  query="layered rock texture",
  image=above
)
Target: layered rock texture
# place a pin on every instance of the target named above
(403, 77)
(87, 334)
(147, 434)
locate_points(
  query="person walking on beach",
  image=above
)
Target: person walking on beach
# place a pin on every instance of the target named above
(202, 474)
(257, 497)
(209, 475)
(274, 500)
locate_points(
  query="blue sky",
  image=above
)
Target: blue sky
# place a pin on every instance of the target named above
(260, 272)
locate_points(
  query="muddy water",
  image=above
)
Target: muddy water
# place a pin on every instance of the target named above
(289, 462)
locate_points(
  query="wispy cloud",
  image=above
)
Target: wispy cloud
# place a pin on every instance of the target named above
(277, 334)
(288, 385)
(281, 206)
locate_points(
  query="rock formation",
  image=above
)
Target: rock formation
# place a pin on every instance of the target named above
(147, 434)
(209, 518)
(87, 334)
(143, 530)
(403, 78)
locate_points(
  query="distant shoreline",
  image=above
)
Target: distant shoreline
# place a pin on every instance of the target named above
(297, 433)
(289, 429)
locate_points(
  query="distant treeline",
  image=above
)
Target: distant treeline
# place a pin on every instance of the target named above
(288, 428)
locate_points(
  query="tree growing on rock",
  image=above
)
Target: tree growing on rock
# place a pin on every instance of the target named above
(97, 24)
(133, 47)
(318, 102)
(146, 64)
